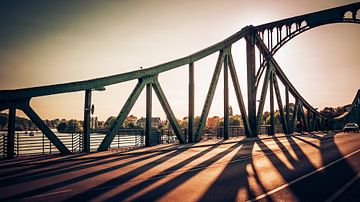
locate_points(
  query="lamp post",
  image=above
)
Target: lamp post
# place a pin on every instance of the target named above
(87, 110)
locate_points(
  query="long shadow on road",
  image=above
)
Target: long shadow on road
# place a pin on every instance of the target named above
(238, 180)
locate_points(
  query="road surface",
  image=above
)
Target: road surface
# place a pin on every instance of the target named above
(313, 167)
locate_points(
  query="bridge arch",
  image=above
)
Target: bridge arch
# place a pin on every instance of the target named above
(300, 27)
(296, 26)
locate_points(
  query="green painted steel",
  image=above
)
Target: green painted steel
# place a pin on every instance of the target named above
(272, 117)
(86, 123)
(123, 114)
(191, 103)
(269, 70)
(251, 79)
(280, 105)
(209, 97)
(239, 96)
(295, 115)
(226, 97)
(287, 109)
(169, 113)
(148, 126)
(42, 126)
(11, 95)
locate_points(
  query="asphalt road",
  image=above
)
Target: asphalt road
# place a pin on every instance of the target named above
(317, 167)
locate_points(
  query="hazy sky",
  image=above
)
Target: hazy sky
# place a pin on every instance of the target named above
(50, 42)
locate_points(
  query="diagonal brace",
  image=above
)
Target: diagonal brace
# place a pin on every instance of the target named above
(280, 105)
(239, 96)
(269, 70)
(169, 113)
(210, 96)
(123, 114)
(25, 107)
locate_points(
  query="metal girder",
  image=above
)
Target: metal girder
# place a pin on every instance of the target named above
(86, 123)
(251, 81)
(25, 93)
(148, 114)
(169, 113)
(191, 103)
(314, 18)
(280, 105)
(10, 142)
(226, 97)
(287, 109)
(303, 117)
(272, 117)
(269, 70)
(294, 117)
(314, 122)
(210, 96)
(262, 47)
(239, 96)
(46, 130)
(123, 114)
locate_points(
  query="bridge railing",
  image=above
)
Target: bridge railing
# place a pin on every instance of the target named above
(35, 142)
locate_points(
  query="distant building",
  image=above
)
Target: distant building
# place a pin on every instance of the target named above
(213, 122)
(130, 121)
(230, 111)
(155, 122)
(94, 122)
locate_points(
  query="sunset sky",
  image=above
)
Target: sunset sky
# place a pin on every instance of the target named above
(51, 42)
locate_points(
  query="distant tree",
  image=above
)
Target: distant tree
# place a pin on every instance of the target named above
(3, 120)
(110, 121)
(61, 127)
(233, 121)
(72, 126)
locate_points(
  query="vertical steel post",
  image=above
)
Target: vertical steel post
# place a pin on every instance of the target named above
(86, 124)
(11, 133)
(251, 81)
(148, 114)
(287, 109)
(226, 98)
(272, 116)
(191, 104)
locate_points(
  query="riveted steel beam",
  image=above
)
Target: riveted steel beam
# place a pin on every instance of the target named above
(239, 96)
(191, 103)
(251, 81)
(169, 113)
(295, 115)
(148, 114)
(86, 123)
(280, 105)
(272, 117)
(123, 114)
(209, 96)
(287, 109)
(25, 107)
(118, 78)
(269, 70)
(282, 75)
(226, 97)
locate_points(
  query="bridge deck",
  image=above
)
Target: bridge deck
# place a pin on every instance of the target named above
(235, 169)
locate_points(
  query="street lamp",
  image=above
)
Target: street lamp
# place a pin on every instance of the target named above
(88, 108)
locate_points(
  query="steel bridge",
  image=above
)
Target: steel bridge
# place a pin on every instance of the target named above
(260, 37)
